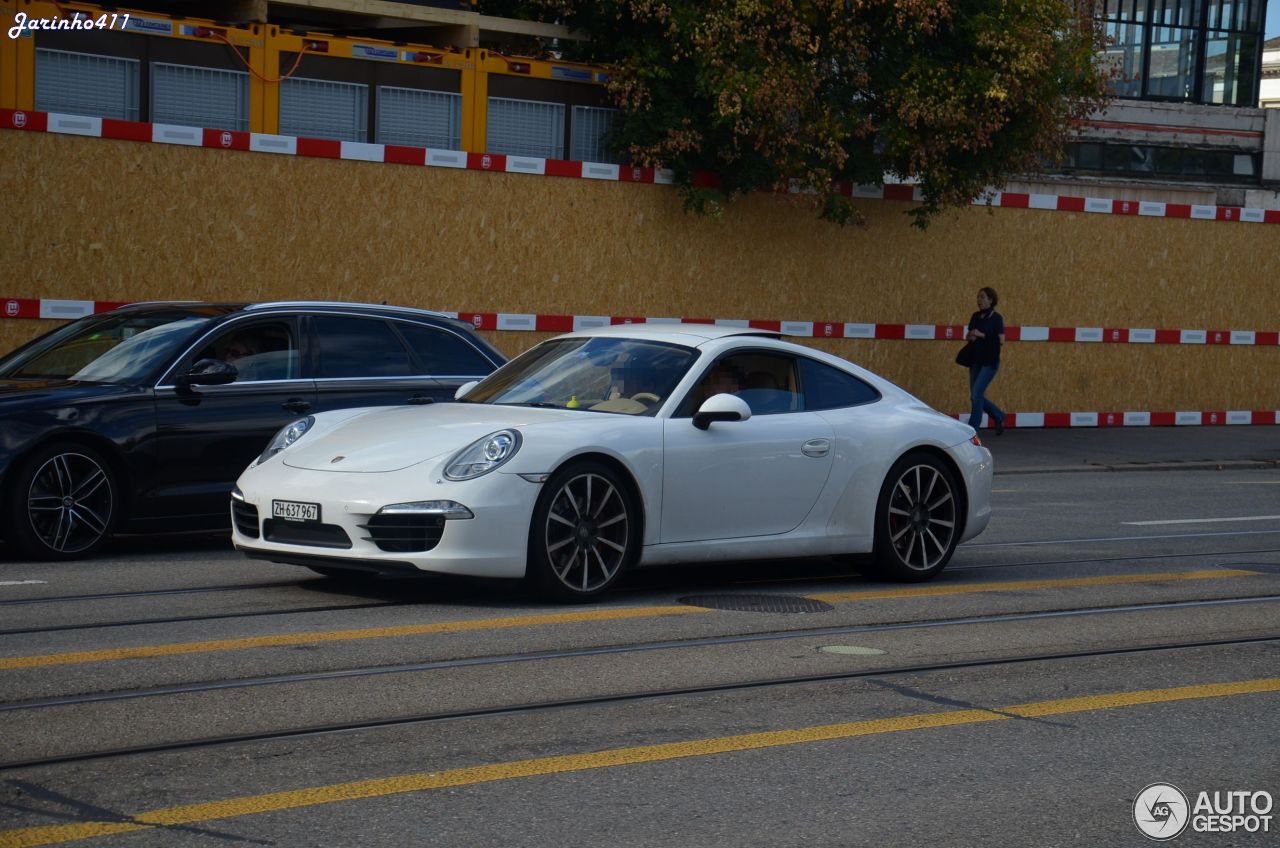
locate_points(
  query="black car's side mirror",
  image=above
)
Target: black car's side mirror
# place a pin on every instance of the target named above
(209, 372)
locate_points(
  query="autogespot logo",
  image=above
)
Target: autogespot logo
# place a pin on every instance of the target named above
(1161, 812)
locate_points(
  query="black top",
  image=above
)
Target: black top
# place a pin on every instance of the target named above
(987, 349)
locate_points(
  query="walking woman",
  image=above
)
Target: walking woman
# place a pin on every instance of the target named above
(986, 331)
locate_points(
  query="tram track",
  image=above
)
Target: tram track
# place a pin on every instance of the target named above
(622, 592)
(617, 699)
(627, 648)
(186, 619)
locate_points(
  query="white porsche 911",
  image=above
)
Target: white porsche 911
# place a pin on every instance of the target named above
(631, 445)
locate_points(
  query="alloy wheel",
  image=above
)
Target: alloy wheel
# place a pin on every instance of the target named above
(922, 517)
(587, 532)
(69, 503)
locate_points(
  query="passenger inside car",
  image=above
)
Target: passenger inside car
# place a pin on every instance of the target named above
(258, 353)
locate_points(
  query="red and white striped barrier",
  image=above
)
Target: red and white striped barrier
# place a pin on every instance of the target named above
(1218, 418)
(71, 309)
(53, 122)
(16, 307)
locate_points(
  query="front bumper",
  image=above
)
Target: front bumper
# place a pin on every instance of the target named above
(493, 543)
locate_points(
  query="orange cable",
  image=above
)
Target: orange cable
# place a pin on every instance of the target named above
(252, 69)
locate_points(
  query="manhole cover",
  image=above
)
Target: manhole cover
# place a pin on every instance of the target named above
(757, 603)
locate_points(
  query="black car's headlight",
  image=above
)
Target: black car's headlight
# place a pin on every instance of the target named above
(287, 436)
(483, 455)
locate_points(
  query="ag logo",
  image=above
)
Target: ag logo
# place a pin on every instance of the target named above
(486, 162)
(19, 119)
(1161, 811)
(225, 139)
(11, 308)
(478, 320)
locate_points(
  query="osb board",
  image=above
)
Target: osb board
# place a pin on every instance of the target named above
(1034, 377)
(109, 220)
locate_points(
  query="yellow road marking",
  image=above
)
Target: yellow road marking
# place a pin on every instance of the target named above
(423, 781)
(289, 639)
(286, 639)
(1062, 583)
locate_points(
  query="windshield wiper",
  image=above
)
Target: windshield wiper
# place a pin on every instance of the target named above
(537, 404)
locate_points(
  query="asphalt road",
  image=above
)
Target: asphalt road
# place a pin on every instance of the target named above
(1110, 630)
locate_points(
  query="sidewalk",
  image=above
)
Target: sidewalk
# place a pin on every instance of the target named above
(1133, 448)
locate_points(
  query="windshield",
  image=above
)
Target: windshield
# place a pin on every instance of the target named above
(106, 348)
(596, 374)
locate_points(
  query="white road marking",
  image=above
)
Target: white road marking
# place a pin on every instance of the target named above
(1203, 520)
(20, 582)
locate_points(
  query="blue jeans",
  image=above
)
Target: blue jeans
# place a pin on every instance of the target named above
(980, 376)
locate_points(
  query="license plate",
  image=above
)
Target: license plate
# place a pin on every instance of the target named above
(295, 510)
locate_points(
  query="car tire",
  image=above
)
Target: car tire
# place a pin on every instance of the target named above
(66, 502)
(915, 536)
(585, 533)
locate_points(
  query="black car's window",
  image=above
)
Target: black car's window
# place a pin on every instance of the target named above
(359, 347)
(262, 351)
(830, 388)
(109, 348)
(442, 353)
(766, 381)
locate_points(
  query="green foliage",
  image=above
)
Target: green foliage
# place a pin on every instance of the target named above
(955, 94)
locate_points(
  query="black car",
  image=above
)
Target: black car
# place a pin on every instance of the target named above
(142, 418)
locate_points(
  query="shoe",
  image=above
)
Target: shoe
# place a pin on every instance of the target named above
(999, 426)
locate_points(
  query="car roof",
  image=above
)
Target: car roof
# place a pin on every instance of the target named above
(692, 335)
(215, 309)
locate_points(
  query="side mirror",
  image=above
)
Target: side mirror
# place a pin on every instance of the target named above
(722, 407)
(210, 372)
(464, 388)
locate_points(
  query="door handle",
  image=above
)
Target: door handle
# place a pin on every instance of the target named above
(421, 399)
(816, 447)
(297, 405)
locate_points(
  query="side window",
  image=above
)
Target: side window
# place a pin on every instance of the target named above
(766, 381)
(830, 388)
(358, 347)
(444, 354)
(266, 351)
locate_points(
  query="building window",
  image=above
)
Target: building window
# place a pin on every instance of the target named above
(323, 109)
(591, 126)
(1230, 70)
(1202, 51)
(87, 84)
(1145, 160)
(1171, 66)
(199, 97)
(419, 118)
(525, 128)
(1123, 58)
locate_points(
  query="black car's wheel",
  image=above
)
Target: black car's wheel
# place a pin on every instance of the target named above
(65, 503)
(585, 533)
(917, 519)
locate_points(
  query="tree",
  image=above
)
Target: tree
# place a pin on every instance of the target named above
(956, 94)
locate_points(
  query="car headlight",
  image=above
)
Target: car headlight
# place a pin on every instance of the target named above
(287, 436)
(483, 455)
